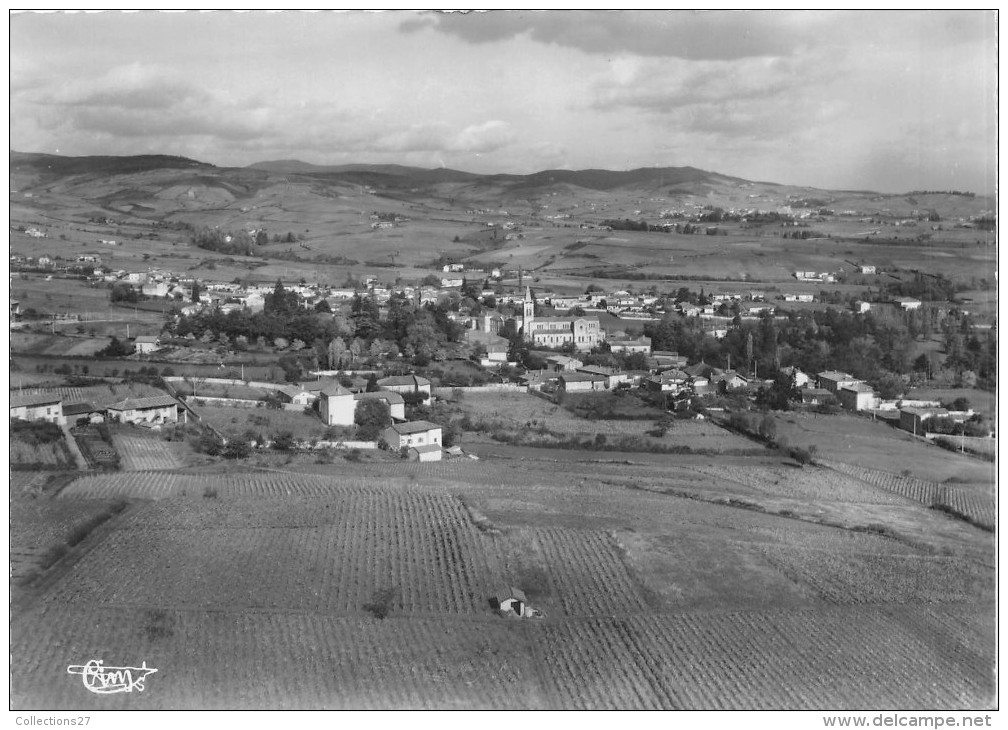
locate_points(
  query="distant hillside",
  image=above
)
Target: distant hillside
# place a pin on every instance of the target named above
(59, 166)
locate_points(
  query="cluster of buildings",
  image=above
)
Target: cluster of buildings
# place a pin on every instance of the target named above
(154, 410)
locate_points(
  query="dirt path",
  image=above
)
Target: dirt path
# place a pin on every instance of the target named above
(75, 451)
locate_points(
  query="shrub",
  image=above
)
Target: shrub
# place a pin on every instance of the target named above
(381, 602)
(802, 456)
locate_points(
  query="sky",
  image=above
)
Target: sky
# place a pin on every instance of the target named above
(871, 100)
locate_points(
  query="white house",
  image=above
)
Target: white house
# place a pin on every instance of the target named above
(412, 433)
(37, 407)
(337, 405)
(907, 303)
(146, 343)
(833, 380)
(295, 396)
(857, 397)
(153, 410)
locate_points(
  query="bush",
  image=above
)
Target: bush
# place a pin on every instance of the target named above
(283, 441)
(768, 427)
(802, 456)
(381, 602)
(371, 417)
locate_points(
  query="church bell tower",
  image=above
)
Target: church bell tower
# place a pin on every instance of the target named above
(528, 314)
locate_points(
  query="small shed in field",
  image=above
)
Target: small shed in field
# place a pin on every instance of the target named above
(511, 599)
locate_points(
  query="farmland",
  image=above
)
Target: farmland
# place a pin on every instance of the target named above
(660, 592)
(265, 421)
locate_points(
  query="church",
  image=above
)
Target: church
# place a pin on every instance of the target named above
(584, 332)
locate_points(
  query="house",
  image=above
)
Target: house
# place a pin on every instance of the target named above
(630, 344)
(295, 395)
(406, 384)
(907, 303)
(731, 379)
(581, 382)
(430, 452)
(395, 402)
(668, 359)
(496, 346)
(866, 269)
(562, 363)
(83, 412)
(857, 397)
(833, 380)
(146, 343)
(153, 410)
(670, 381)
(860, 307)
(612, 376)
(37, 407)
(799, 297)
(815, 396)
(800, 378)
(914, 419)
(511, 599)
(412, 433)
(690, 310)
(337, 405)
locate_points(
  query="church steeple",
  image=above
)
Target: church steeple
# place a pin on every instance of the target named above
(528, 314)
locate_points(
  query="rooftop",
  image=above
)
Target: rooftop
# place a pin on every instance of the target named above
(139, 404)
(21, 400)
(389, 396)
(393, 380)
(426, 448)
(409, 427)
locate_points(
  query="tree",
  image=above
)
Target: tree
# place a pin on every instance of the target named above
(337, 353)
(372, 417)
(195, 291)
(768, 428)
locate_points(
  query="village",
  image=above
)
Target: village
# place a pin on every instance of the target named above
(542, 342)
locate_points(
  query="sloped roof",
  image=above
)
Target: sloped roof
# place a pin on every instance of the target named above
(508, 592)
(409, 427)
(334, 391)
(79, 408)
(415, 380)
(389, 396)
(426, 448)
(21, 400)
(139, 404)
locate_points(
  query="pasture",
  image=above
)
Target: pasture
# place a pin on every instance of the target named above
(265, 421)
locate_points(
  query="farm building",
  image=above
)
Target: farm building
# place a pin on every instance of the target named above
(670, 381)
(731, 379)
(337, 405)
(511, 599)
(406, 384)
(630, 344)
(612, 376)
(815, 396)
(907, 303)
(800, 378)
(667, 359)
(412, 433)
(915, 420)
(496, 346)
(77, 411)
(296, 396)
(37, 407)
(153, 410)
(833, 380)
(395, 402)
(430, 452)
(857, 397)
(861, 307)
(582, 382)
(560, 363)
(146, 343)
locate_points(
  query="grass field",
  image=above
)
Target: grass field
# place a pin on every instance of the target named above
(267, 421)
(529, 415)
(878, 445)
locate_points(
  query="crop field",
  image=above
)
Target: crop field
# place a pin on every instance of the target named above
(732, 661)
(40, 344)
(144, 453)
(53, 455)
(287, 660)
(652, 601)
(978, 505)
